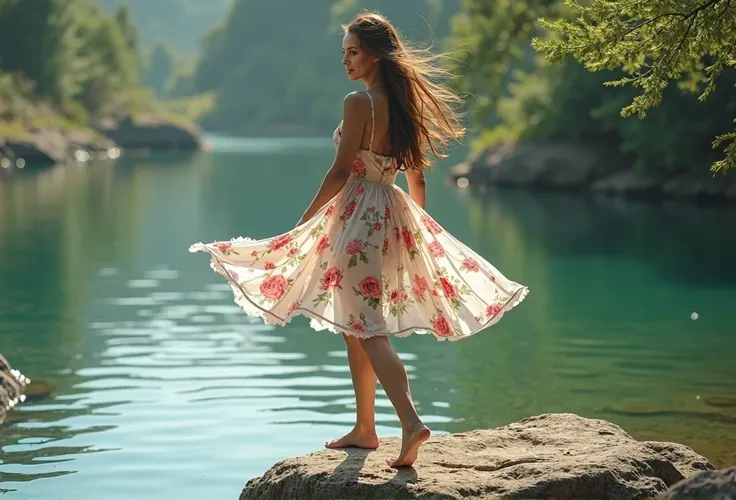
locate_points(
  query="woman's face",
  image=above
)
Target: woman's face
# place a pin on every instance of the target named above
(357, 62)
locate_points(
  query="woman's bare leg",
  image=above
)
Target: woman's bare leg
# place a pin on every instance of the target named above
(363, 434)
(392, 374)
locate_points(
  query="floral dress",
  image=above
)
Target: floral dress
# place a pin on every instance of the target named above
(370, 262)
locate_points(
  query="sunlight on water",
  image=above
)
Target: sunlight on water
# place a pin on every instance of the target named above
(164, 389)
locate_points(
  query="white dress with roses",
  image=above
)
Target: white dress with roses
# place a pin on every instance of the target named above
(370, 262)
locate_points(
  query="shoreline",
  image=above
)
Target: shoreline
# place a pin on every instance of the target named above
(586, 168)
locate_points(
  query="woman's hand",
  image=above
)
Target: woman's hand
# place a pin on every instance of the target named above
(356, 114)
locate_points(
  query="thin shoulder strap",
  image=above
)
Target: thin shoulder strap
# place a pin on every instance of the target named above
(373, 122)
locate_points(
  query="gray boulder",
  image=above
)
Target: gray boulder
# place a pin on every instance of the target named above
(560, 456)
(706, 485)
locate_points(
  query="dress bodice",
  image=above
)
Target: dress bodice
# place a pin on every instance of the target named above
(369, 166)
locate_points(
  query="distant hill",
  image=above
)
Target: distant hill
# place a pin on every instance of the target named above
(181, 22)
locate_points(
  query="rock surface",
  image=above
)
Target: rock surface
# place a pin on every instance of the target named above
(30, 146)
(581, 167)
(707, 485)
(560, 456)
(12, 384)
(150, 131)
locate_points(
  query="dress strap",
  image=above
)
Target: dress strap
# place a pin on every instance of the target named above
(373, 122)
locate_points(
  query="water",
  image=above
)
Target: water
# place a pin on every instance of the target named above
(163, 389)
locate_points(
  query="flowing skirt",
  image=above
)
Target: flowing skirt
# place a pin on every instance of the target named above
(371, 262)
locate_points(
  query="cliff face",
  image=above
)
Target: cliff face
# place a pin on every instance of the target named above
(560, 456)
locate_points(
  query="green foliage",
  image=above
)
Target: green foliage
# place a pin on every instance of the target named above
(560, 92)
(192, 108)
(70, 49)
(160, 68)
(653, 42)
(491, 37)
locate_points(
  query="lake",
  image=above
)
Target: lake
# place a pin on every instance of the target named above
(164, 389)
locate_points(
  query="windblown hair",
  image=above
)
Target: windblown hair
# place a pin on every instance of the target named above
(422, 112)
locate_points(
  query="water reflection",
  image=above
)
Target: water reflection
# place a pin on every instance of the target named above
(159, 375)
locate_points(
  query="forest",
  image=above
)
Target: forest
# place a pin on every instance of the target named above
(273, 67)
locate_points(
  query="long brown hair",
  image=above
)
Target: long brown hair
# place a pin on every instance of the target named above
(422, 113)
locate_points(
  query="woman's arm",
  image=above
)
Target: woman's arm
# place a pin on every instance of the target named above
(355, 116)
(417, 185)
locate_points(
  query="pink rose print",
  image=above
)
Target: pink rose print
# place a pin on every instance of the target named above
(441, 325)
(223, 247)
(254, 253)
(331, 278)
(349, 209)
(371, 287)
(269, 265)
(360, 190)
(293, 305)
(293, 251)
(358, 167)
(323, 244)
(436, 249)
(470, 264)
(372, 209)
(279, 242)
(398, 297)
(409, 241)
(354, 246)
(234, 275)
(273, 287)
(356, 326)
(397, 233)
(420, 286)
(387, 215)
(448, 288)
(377, 226)
(329, 210)
(431, 225)
(385, 246)
(493, 309)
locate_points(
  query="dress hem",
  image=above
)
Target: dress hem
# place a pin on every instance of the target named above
(317, 322)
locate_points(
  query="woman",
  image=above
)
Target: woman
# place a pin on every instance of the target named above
(366, 260)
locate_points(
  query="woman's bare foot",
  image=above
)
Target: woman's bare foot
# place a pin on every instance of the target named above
(410, 443)
(357, 438)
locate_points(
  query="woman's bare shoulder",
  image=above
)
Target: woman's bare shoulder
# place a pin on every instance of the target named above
(357, 101)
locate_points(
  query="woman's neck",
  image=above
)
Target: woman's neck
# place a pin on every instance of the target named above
(373, 81)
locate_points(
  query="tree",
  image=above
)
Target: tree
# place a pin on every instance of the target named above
(39, 39)
(654, 42)
(160, 68)
(490, 38)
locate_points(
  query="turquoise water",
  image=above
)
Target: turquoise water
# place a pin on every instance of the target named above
(163, 389)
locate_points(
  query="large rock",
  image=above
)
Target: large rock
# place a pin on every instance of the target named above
(12, 386)
(707, 485)
(51, 146)
(151, 132)
(560, 456)
(585, 167)
(542, 164)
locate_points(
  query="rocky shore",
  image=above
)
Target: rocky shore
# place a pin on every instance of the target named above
(27, 146)
(552, 456)
(586, 168)
(12, 387)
